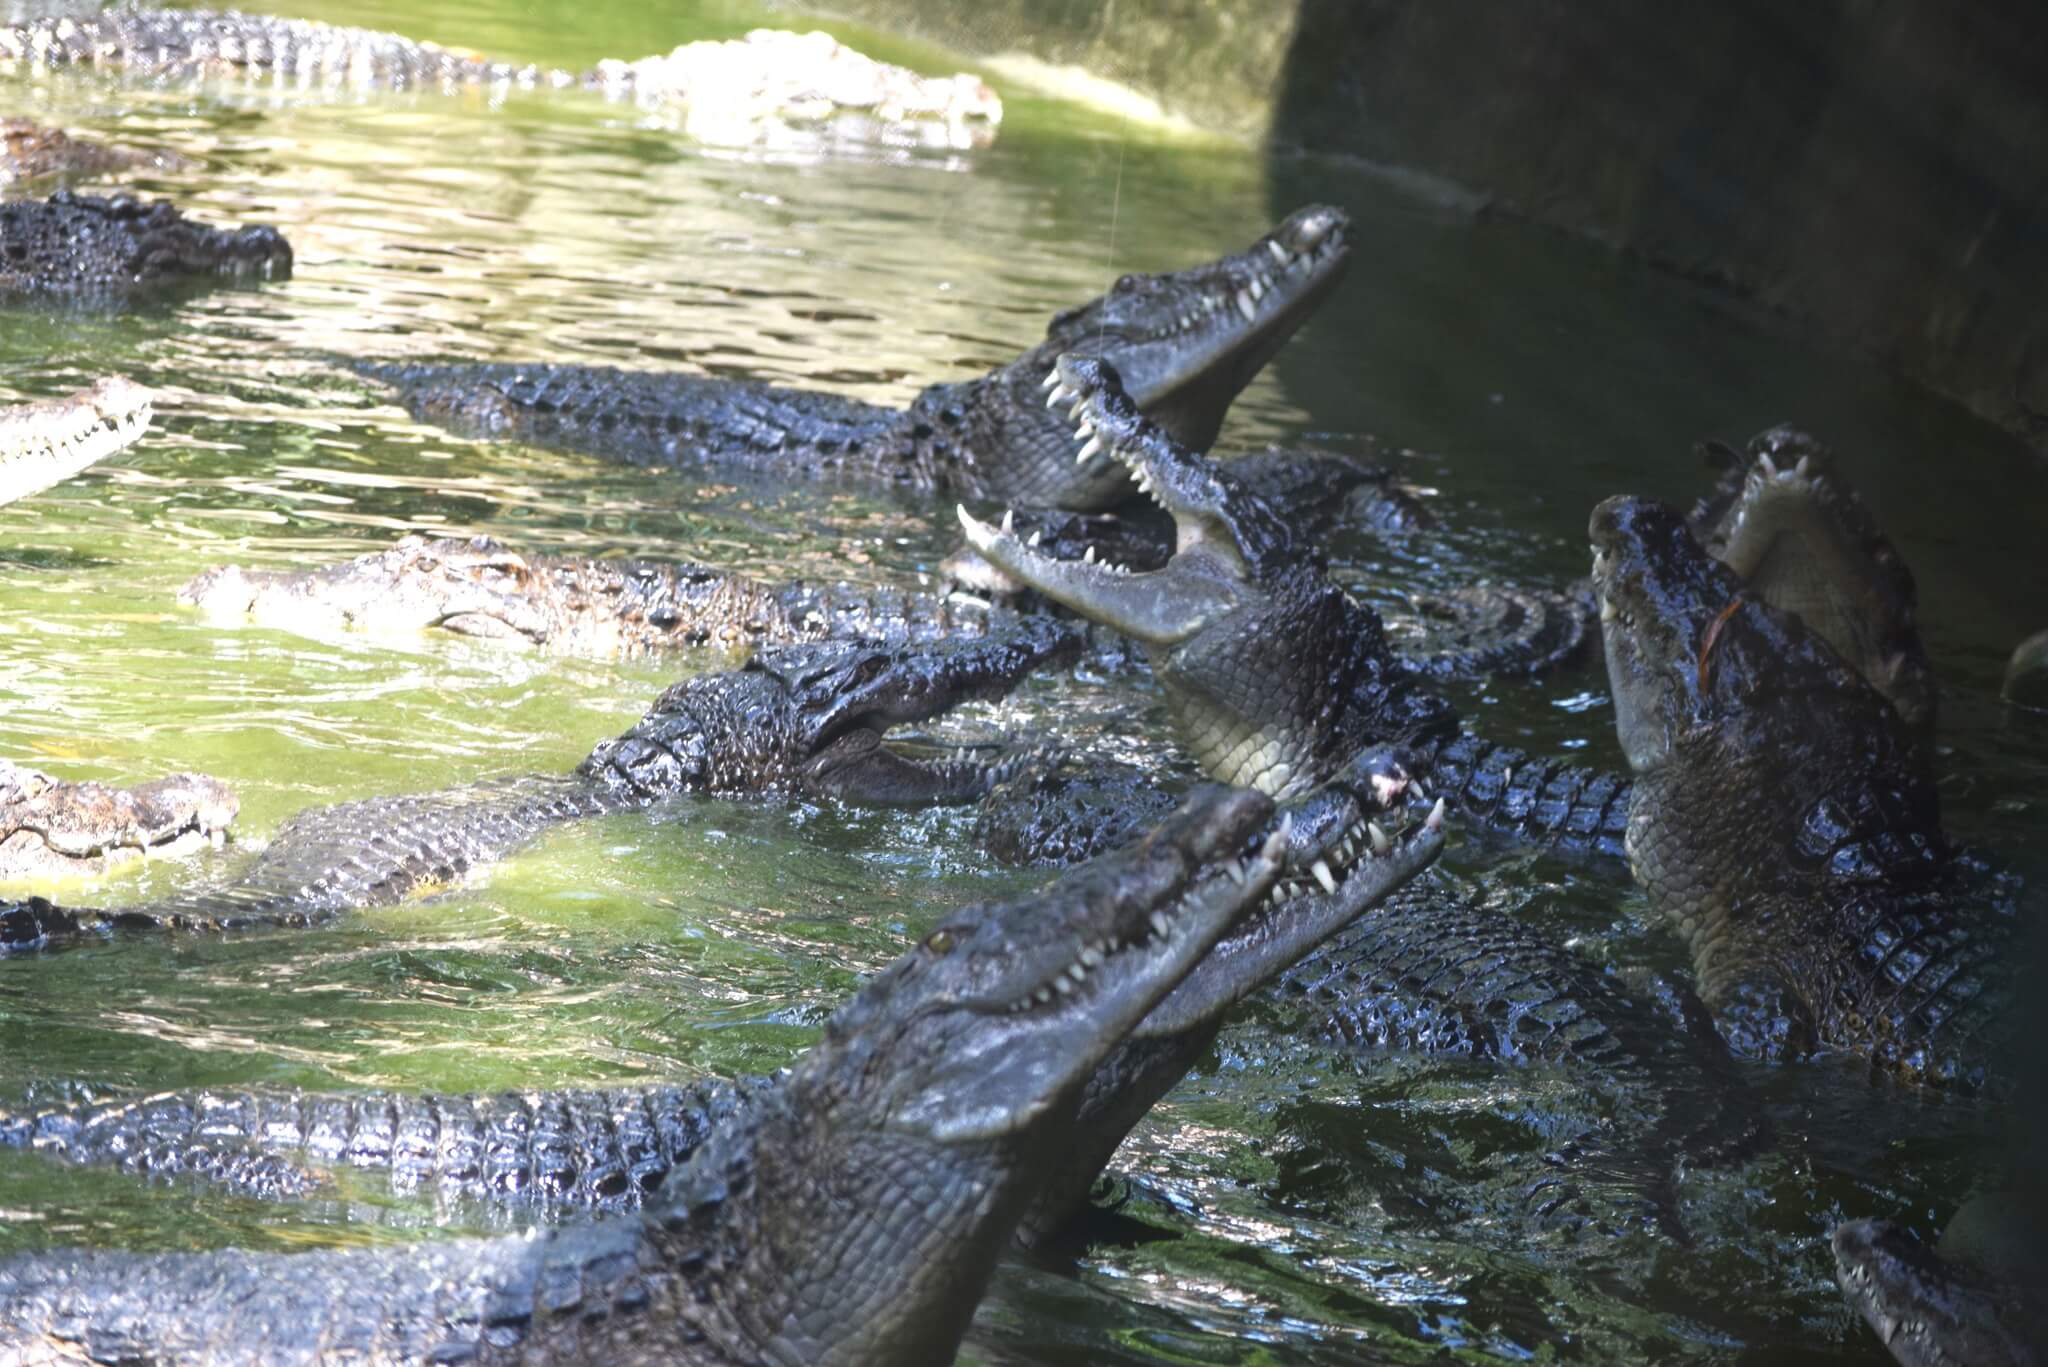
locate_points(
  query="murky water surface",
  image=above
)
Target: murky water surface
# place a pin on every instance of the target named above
(1322, 1207)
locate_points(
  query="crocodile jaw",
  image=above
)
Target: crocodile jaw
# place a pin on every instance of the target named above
(1160, 607)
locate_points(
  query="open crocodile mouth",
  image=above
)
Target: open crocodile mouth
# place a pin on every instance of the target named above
(1165, 929)
(1161, 606)
(1185, 368)
(46, 442)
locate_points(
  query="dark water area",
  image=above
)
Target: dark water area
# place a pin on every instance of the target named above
(1319, 1205)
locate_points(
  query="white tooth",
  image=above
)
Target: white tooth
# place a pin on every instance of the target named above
(1160, 925)
(1321, 870)
(969, 522)
(1058, 397)
(1608, 612)
(1051, 381)
(1089, 448)
(1279, 252)
(1770, 466)
(1236, 872)
(1435, 820)
(1246, 306)
(1088, 556)
(1091, 955)
(1043, 995)
(1065, 988)
(1799, 470)
(1380, 843)
(1080, 406)
(1010, 521)
(1037, 535)
(1258, 288)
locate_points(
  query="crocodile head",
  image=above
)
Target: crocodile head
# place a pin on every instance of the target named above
(1931, 1311)
(1689, 646)
(51, 829)
(1276, 677)
(1785, 519)
(1186, 342)
(909, 1139)
(810, 719)
(45, 442)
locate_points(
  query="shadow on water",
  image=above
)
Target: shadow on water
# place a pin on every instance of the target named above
(1321, 1206)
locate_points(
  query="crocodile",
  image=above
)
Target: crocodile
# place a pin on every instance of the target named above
(611, 1149)
(480, 587)
(1187, 341)
(109, 250)
(49, 440)
(798, 721)
(768, 84)
(29, 152)
(1244, 604)
(1802, 539)
(852, 1213)
(1962, 1303)
(52, 828)
(574, 605)
(1784, 822)
(1435, 973)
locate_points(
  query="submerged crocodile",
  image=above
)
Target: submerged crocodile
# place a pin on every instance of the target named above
(765, 84)
(1784, 822)
(30, 151)
(802, 720)
(1273, 675)
(852, 1212)
(1186, 342)
(612, 1149)
(109, 250)
(50, 828)
(601, 606)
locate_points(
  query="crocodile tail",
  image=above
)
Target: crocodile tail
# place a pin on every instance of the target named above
(1562, 805)
(595, 1149)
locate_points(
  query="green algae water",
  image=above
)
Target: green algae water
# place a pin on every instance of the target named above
(1303, 1204)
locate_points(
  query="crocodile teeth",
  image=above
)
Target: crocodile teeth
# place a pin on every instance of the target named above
(1051, 380)
(1091, 447)
(1042, 996)
(1435, 820)
(1037, 535)
(1380, 843)
(1236, 872)
(1160, 925)
(1608, 612)
(1245, 305)
(1799, 470)
(1091, 955)
(1321, 869)
(1279, 252)
(1060, 394)
(1080, 406)
(1770, 466)
(1010, 521)
(1088, 556)
(1258, 289)
(1063, 986)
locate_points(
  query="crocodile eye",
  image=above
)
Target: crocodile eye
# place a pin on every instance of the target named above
(939, 941)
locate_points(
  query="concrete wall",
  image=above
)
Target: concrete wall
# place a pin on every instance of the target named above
(1877, 168)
